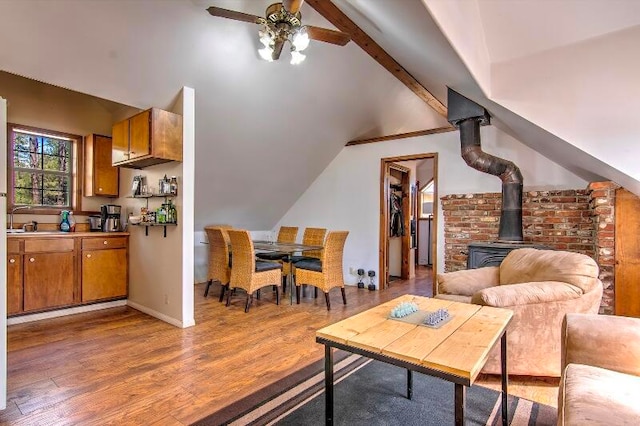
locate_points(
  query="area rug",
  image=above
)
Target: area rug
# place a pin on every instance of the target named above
(370, 392)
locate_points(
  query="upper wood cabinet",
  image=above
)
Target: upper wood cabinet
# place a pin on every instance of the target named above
(100, 177)
(151, 137)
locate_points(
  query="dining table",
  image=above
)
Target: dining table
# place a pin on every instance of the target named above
(289, 249)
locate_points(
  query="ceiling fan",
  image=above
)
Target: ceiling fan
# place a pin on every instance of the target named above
(282, 22)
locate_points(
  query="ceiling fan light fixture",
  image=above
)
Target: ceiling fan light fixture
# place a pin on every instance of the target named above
(266, 53)
(300, 39)
(297, 57)
(266, 37)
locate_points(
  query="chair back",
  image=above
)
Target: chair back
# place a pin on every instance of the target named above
(332, 257)
(313, 237)
(287, 234)
(218, 253)
(244, 262)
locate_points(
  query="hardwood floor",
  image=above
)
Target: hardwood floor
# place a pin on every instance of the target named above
(120, 366)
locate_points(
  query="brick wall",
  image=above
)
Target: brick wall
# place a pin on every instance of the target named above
(579, 220)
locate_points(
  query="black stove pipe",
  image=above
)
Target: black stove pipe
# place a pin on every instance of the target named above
(467, 116)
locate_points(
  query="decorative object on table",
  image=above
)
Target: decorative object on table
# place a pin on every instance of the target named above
(282, 23)
(360, 278)
(372, 284)
(437, 318)
(403, 309)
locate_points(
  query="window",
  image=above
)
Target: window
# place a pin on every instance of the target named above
(42, 168)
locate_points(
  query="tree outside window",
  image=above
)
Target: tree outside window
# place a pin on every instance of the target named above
(41, 168)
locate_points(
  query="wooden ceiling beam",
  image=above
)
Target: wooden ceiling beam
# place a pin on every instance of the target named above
(402, 135)
(341, 21)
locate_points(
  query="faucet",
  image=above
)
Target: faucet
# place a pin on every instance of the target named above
(13, 210)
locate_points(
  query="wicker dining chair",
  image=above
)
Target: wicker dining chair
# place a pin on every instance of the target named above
(311, 237)
(286, 234)
(250, 274)
(324, 273)
(219, 257)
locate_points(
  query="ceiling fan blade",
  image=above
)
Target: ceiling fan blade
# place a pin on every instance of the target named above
(232, 14)
(327, 35)
(292, 6)
(277, 49)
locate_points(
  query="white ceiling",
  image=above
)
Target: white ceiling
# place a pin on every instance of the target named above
(265, 131)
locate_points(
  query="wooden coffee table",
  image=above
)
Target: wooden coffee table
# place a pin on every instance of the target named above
(456, 351)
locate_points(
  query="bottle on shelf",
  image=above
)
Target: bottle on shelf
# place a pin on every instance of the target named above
(173, 185)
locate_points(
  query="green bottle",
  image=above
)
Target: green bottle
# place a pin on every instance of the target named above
(65, 226)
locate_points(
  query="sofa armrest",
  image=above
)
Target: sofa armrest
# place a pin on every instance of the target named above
(468, 281)
(526, 294)
(604, 341)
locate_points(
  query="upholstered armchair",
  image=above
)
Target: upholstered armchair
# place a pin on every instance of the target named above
(600, 370)
(540, 286)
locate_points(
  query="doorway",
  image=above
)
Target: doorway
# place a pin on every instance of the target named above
(403, 216)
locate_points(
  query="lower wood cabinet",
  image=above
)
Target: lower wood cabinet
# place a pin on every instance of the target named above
(14, 284)
(49, 280)
(50, 273)
(104, 274)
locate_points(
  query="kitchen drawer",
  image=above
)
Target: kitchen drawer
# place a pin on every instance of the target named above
(38, 245)
(13, 246)
(104, 243)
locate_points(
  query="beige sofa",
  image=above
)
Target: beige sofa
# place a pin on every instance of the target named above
(601, 367)
(540, 286)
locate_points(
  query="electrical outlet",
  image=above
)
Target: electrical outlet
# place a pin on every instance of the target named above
(353, 271)
(166, 299)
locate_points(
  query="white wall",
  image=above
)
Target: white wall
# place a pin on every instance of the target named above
(160, 272)
(36, 104)
(346, 195)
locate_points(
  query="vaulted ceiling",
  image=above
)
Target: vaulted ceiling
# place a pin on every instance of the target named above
(265, 131)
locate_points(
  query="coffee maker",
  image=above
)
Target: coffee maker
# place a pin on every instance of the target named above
(110, 217)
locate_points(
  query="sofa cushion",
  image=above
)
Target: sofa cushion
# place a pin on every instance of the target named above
(468, 281)
(591, 395)
(454, 298)
(530, 265)
(525, 294)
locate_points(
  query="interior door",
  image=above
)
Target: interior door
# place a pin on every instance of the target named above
(3, 258)
(627, 254)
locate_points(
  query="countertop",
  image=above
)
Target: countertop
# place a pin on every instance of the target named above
(60, 234)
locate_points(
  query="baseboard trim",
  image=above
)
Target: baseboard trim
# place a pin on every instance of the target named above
(64, 312)
(156, 314)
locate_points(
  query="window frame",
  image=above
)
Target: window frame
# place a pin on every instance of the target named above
(75, 194)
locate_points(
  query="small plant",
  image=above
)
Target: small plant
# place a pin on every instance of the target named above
(403, 309)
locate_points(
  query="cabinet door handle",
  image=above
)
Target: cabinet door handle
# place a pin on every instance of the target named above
(12, 261)
(105, 242)
(32, 259)
(89, 256)
(100, 189)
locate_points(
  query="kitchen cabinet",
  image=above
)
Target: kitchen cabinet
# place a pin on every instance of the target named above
(100, 177)
(104, 268)
(14, 278)
(65, 270)
(151, 137)
(49, 274)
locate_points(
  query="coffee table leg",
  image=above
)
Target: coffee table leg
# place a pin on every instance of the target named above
(459, 400)
(409, 384)
(328, 384)
(505, 377)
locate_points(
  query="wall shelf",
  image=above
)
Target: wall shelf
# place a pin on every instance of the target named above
(148, 224)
